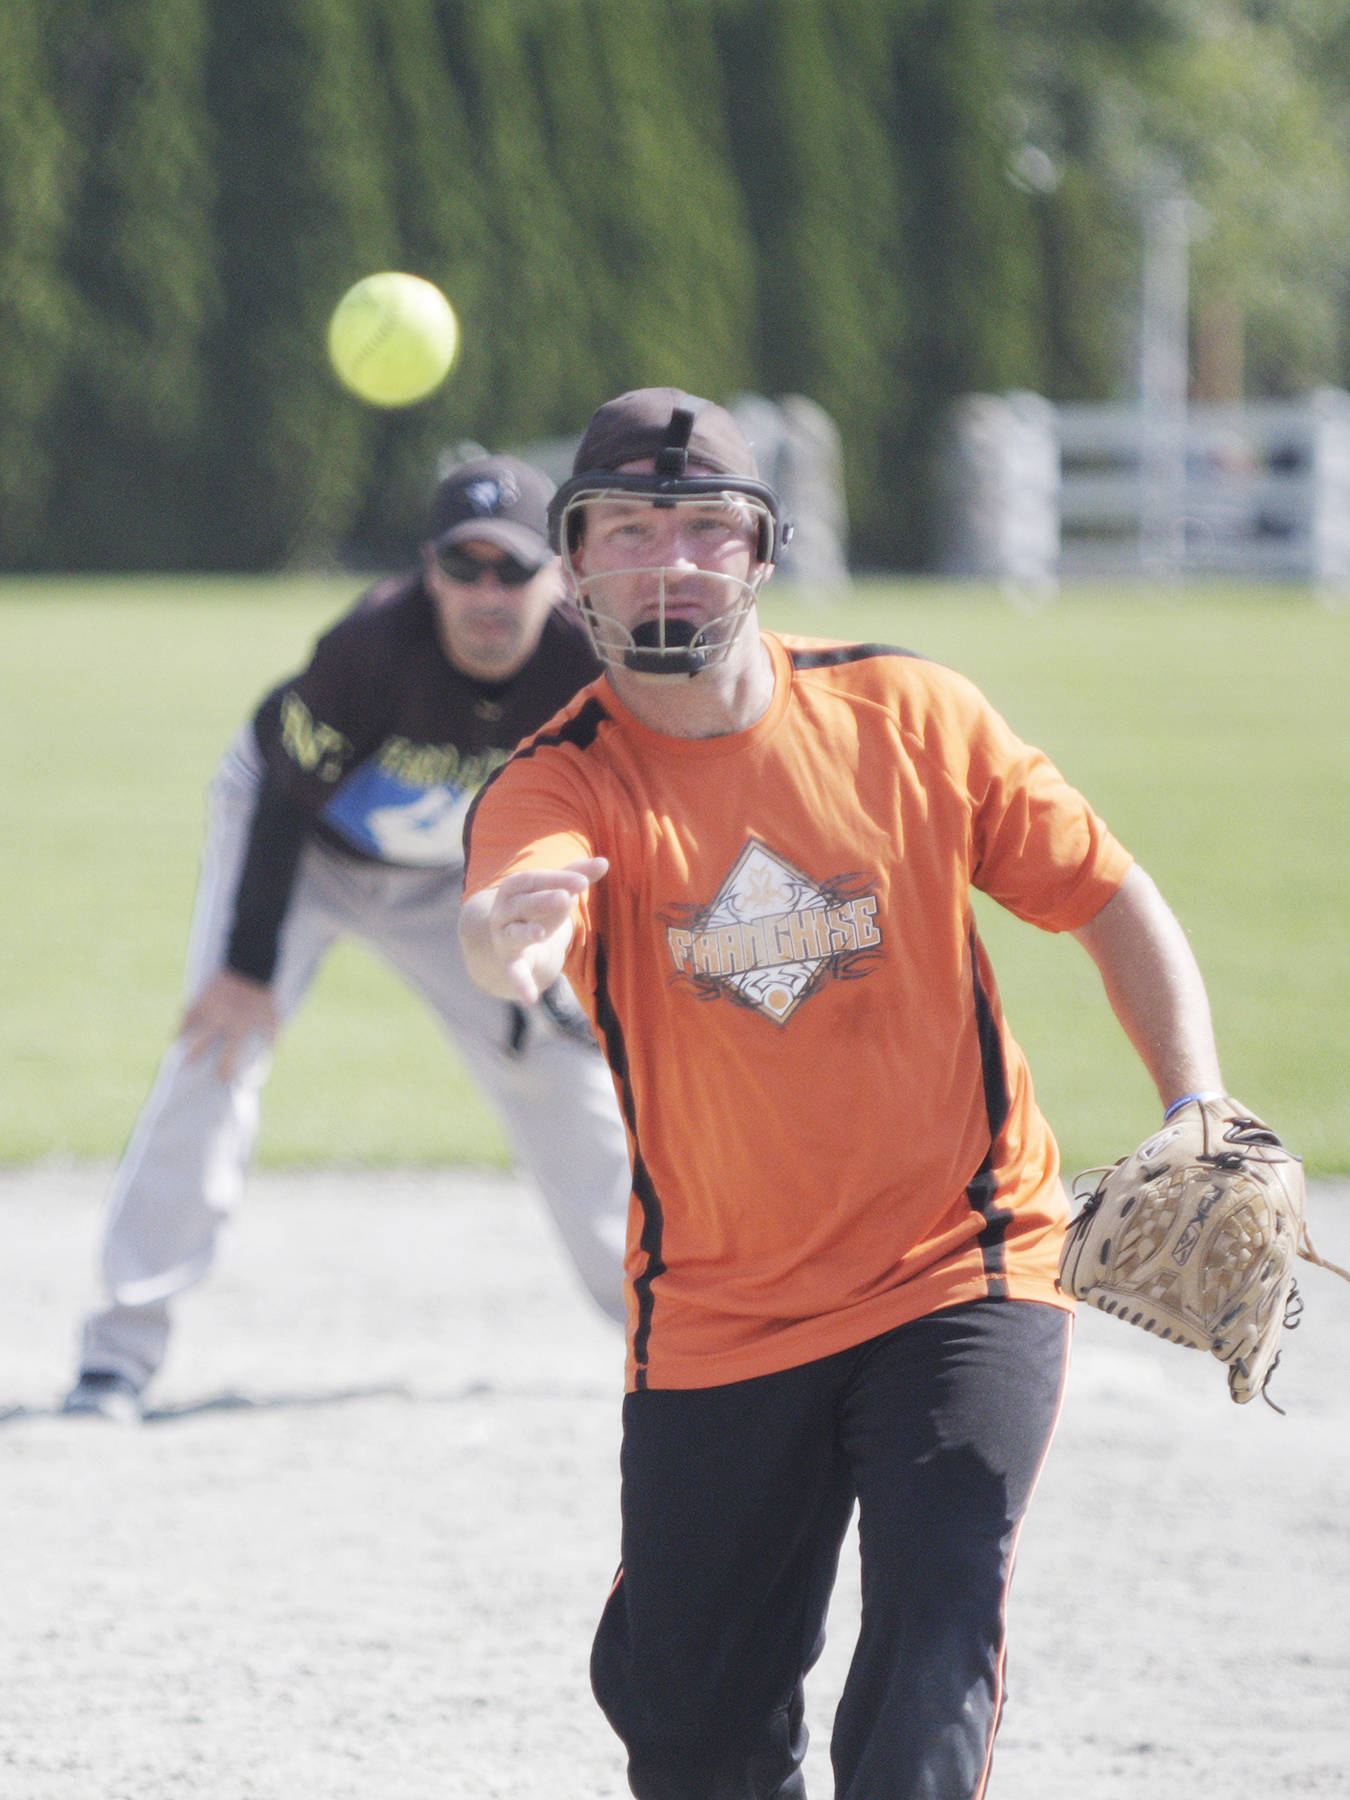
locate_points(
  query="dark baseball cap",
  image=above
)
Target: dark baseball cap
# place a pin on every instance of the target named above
(497, 499)
(638, 425)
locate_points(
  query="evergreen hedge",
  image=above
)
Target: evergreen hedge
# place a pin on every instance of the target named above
(772, 195)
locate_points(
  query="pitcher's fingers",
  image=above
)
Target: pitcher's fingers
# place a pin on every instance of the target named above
(542, 881)
(591, 867)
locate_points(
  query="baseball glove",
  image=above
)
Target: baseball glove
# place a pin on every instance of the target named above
(1195, 1236)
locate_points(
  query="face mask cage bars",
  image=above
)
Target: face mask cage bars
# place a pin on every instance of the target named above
(662, 645)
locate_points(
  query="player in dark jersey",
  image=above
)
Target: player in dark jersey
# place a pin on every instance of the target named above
(339, 811)
(754, 855)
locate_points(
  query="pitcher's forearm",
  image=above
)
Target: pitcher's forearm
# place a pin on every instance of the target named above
(1155, 988)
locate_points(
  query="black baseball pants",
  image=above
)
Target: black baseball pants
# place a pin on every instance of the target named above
(736, 1500)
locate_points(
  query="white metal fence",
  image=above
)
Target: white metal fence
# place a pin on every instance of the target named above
(1036, 493)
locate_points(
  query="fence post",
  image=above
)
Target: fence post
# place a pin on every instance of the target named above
(1169, 218)
(1330, 475)
(1000, 480)
(800, 454)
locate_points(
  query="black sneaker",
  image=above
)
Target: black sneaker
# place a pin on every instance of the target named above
(107, 1395)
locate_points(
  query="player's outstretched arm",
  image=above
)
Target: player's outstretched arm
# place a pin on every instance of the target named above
(1155, 987)
(515, 936)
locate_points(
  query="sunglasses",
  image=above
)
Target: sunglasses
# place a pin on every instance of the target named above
(459, 565)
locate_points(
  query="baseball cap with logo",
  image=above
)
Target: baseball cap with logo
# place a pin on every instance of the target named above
(498, 500)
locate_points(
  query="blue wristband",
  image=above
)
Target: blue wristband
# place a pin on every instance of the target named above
(1185, 1100)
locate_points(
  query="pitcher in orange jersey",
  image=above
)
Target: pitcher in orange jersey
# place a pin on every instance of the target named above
(753, 856)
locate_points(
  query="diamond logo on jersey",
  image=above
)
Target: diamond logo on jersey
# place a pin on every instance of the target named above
(772, 936)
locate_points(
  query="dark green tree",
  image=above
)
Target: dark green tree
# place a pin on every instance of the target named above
(441, 221)
(137, 254)
(1070, 71)
(296, 96)
(658, 245)
(810, 117)
(970, 269)
(37, 301)
(536, 349)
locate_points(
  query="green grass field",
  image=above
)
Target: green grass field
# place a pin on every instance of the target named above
(1212, 729)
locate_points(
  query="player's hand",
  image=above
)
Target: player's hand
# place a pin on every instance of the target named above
(231, 1014)
(526, 925)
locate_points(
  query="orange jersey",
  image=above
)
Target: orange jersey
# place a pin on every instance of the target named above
(832, 1129)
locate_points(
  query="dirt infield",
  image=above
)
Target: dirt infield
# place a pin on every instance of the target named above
(358, 1550)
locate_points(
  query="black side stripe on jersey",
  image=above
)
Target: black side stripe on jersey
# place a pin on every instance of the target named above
(843, 653)
(653, 1220)
(580, 730)
(983, 1185)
